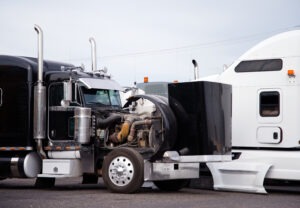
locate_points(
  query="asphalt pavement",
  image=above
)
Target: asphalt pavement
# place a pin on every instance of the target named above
(71, 193)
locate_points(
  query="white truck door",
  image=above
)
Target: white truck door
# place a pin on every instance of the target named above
(269, 116)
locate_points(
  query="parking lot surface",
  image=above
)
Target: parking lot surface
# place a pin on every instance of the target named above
(71, 193)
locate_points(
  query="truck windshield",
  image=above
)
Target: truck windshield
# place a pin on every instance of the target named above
(101, 97)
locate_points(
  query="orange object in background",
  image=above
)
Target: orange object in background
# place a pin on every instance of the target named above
(146, 80)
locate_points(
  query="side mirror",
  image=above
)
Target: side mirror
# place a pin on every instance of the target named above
(67, 93)
(68, 90)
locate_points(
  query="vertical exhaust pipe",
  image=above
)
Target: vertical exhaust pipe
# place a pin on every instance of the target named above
(40, 53)
(196, 71)
(94, 54)
(39, 105)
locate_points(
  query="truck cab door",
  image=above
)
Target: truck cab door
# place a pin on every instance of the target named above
(61, 117)
(269, 116)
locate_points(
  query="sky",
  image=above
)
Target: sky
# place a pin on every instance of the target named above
(138, 38)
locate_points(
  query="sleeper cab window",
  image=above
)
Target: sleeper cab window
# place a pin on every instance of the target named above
(259, 65)
(269, 104)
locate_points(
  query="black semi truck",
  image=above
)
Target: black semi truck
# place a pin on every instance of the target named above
(58, 121)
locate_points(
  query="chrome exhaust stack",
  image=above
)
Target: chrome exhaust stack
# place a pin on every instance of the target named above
(39, 106)
(94, 54)
(196, 71)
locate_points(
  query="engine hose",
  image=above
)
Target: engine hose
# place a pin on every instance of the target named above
(134, 125)
(106, 122)
(123, 133)
(126, 127)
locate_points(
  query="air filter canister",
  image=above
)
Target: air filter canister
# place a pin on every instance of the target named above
(82, 131)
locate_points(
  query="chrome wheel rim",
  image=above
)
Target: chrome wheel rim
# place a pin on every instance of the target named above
(121, 171)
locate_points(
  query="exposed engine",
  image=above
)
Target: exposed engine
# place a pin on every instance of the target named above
(130, 127)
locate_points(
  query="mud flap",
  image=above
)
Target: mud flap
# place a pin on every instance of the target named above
(239, 176)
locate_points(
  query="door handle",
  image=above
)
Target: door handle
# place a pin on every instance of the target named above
(275, 135)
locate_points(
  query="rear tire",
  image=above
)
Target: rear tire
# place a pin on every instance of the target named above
(171, 185)
(123, 170)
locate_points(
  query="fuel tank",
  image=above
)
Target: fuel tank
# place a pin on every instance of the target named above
(28, 165)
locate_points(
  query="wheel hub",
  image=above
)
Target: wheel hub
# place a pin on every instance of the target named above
(121, 171)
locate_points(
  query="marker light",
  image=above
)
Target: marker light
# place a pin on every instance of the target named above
(146, 79)
(291, 72)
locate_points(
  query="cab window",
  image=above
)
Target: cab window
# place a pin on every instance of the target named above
(101, 97)
(56, 94)
(259, 65)
(269, 104)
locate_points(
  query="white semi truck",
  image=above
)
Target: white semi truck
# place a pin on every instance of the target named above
(265, 117)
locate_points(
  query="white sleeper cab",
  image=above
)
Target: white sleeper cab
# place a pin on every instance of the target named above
(265, 115)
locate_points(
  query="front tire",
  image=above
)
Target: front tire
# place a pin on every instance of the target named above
(123, 170)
